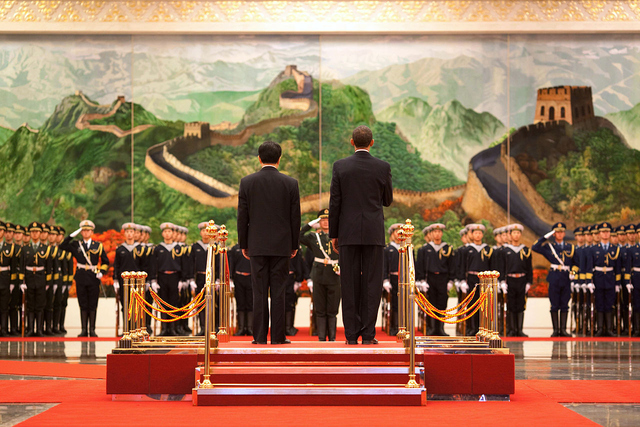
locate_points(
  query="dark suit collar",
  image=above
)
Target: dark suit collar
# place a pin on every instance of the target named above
(362, 153)
(269, 169)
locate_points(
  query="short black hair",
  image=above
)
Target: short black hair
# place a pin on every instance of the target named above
(269, 152)
(362, 136)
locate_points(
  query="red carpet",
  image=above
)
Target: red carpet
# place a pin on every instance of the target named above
(57, 339)
(47, 369)
(534, 403)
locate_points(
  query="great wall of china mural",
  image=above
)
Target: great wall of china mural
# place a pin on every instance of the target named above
(91, 128)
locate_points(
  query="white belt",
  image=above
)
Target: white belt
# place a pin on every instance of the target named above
(5, 268)
(34, 269)
(560, 267)
(605, 269)
(87, 267)
(636, 268)
(326, 261)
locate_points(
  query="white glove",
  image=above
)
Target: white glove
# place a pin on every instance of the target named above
(296, 286)
(147, 286)
(46, 288)
(116, 286)
(217, 282)
(457, 285)
(23, 287)
(64, 289)
(573, 287)
(55, 288)
(181, 286)
(75, 233)
(464, 287)
(99, 275)
(449, 285)
(231, 284)
(618, 287)
(591, 287)
(310, 285)
(527, 287)
(630, 287)
(549, 234)
(155, 286)
(192, 285)
(424, 286)
(502, 284)
(504, 288)
(583, 287)
(314, 222)
(12, 287)
(386, 284)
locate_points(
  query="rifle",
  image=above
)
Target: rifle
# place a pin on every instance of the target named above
(573, 310)
(630, 324)
(593, 303)
(618, 307)
(24, 309)
(585, 312)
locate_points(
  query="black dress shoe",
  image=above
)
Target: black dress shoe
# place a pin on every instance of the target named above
(258, 342)
(370, 342)
(286, 341)
(351, 342)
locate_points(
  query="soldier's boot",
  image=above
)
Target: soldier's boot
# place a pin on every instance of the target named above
(185, 326)
(600, 324)
(608, 322)
(393, 324)
(92, 324)
(39, 324)
(636, 321)
(321, 325)
(241, 316)
(520, 324)
(84, 319)
(431, 326)
(29, 330)
(293, 320)
(512, 320)
(15, 326)
(63, 312)
(248, 331)
(562, 327)
(441, 331)
(624, 330)
(48, 323)
(55, 329)
(331, 327)
(202, 319)
(554, 323)
(4, 324)
(288, 324)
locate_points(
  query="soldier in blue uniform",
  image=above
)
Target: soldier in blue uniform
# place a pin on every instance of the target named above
(197, 272)
(390, 277)
(578, 296)
(623, 300)
(435, 266)
(632, 275)
(517, 272)
(62, 272)
(125, 260)
(561, 256)
(476, 257)
(604, 269)
(92, 263)
(240, 270)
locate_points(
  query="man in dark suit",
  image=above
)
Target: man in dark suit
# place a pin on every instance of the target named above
(268, 227)
(360, 187)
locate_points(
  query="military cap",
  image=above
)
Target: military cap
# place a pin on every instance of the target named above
(45, 228)
(202, 225)
(20, 229)
(323, 213)
(579, 231)
(559, 226)
(3, 226)
(497, 231)
(34, 226)
(54, 230)
(518, 227)
(394, 226)
(426, 229)
(10, 226)
(128, 226)
(438, 226)
(463, 231)
(474, 227)
(61, 230)
(505, 229)
(185, 230)
(604, 226)
(630, 228)
(166, 225)
(87, 225)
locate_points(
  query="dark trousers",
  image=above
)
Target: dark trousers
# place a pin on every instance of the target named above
(326, 299)
(88, 290)
(361, 272)
(438, 294)
(474, 322)
(605, 299)
(516, 294)
(36, 291)
(559, 290)
(168, 290)
(290, 296)
(243, 292)
(268, 276)
(635, 281)
(5, 295)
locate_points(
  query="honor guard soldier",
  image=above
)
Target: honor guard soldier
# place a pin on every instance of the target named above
(325, 282)
(15, 306)
(517, 272)
(126, 259)
(240, 272)
(604, 268)
(435, 267)
(390, 281)
(476, 257)
(60, 276)
(561, 256)
(180, 237)
(92, 263)
(198, 271)
(144, 255)
(9, 269)
(67, 281)
(166, 273)
(47, 237)
(37, 275)
(577, 295)
(632, 275)
(456, 264)
(623, 300)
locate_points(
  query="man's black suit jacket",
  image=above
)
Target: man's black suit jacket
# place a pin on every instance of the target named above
(268, 213)
(360, 187)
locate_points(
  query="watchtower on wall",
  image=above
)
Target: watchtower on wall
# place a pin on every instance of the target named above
(573, 104)
(199, 130)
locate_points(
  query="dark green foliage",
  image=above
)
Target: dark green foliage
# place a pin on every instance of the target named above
(599, 181)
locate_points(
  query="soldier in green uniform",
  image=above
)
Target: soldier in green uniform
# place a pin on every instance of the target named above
(325, 281)
(15, 305)
(8, 276)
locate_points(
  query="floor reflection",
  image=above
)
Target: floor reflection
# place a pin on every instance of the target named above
(620, 415)
(92, 352)
(14, 413)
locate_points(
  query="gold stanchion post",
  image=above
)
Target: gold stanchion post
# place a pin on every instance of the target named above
(125, 341)
(408, 231)
(223, 331)
(402, 274)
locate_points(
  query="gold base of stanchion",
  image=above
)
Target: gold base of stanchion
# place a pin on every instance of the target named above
(412, 382)
(223, 336)
(206, 383)
(402, 334)
(214, 341)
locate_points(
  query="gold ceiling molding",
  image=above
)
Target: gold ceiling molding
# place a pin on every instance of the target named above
(319, 16)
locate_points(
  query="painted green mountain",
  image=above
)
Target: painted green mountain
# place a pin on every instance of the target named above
(5, 134)
(448, 134)
(267, 106)
(628, 123)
